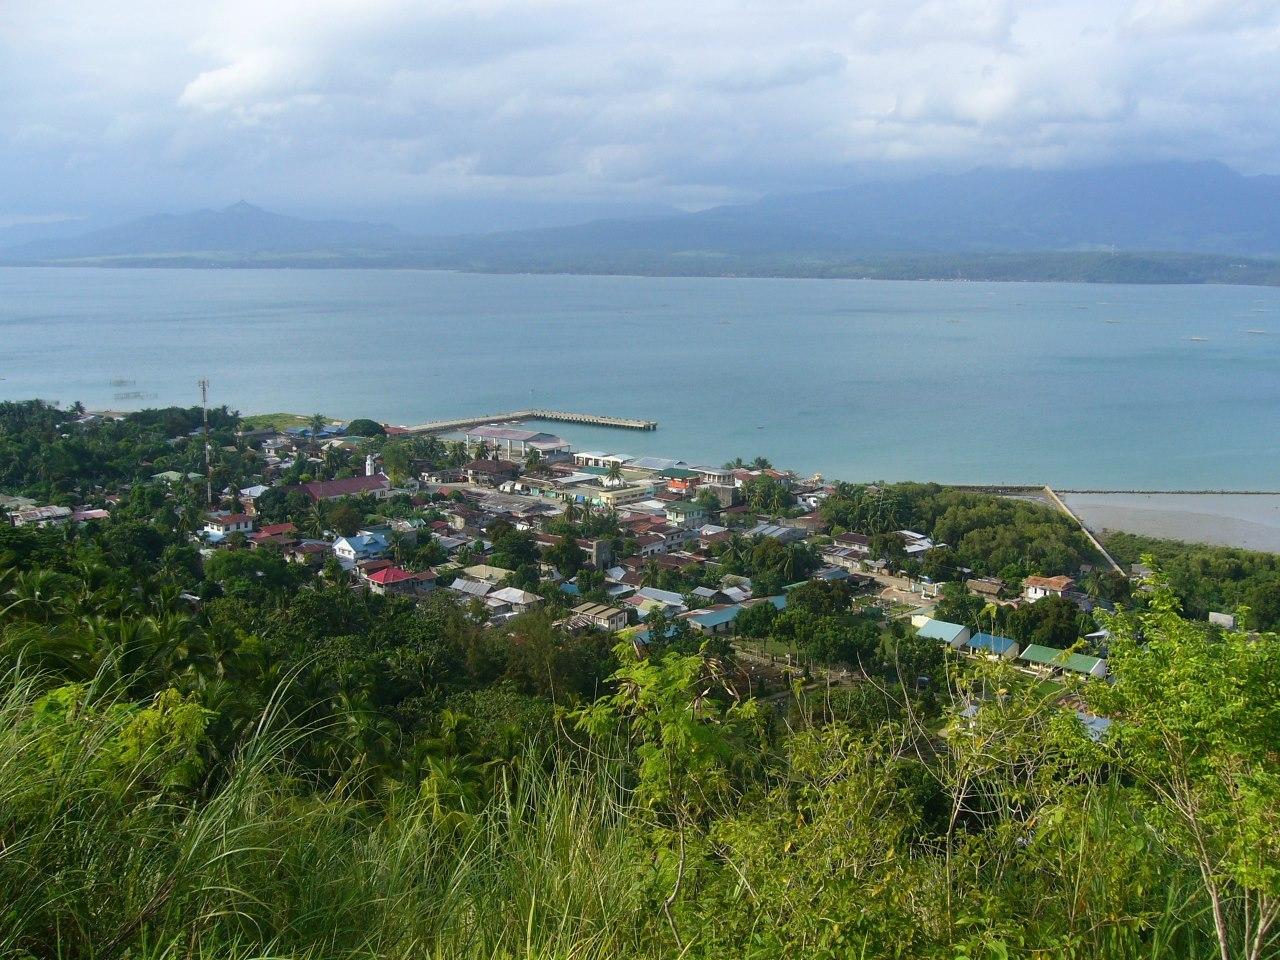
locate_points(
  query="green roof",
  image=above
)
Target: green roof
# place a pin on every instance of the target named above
(1053, 657)
(685, 506)
(678, 473)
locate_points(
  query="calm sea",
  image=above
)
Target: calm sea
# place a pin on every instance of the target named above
(1077, 385)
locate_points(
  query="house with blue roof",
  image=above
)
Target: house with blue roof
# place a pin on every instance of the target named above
(362, 546)
(715, 620)
(954, 635)
(990, 645)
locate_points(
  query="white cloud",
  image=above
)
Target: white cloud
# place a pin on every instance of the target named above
(688, 103)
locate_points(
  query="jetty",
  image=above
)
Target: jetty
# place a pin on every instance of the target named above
(1097, 544)
(515, 416)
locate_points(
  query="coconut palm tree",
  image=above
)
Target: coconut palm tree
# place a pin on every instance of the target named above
(614, 474)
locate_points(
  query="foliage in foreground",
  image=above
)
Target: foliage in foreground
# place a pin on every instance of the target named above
(670, 818)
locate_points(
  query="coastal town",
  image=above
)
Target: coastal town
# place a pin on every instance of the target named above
(507, 521)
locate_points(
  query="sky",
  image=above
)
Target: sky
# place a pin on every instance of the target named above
(381, 108)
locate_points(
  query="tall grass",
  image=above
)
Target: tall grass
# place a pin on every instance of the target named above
(554, 866)
(547, 868)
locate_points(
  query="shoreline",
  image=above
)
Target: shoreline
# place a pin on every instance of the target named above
(1178, 515)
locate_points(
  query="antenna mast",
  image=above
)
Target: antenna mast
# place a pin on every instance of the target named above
(208, 463)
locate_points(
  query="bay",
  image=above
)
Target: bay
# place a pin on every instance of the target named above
(1079, 385)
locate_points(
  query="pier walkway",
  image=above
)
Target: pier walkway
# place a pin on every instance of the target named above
(592, 419)
(1097, 544)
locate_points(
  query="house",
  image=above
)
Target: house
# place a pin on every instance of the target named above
(1042, 659)
(309, 552)
(519, 601)
(248, 497)
(490, 473)
(362, 546)
(715, 620)
(778, 532)
(395, 580)
(274, 534)
(488, 574)
(600, 459)
(858, 543)
(679, 480)
(602, 617)
(474, 589)
(89, 514)
(50, 516)
(1037, 588)
(224, 524)
(989, 645)
(954, 635)
(377, 486)
(988, 588)
(810, 522)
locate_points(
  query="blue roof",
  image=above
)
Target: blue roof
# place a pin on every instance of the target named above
(570, 588)
(716, 618)
(940, 630)
(997, 645)
(779, 603)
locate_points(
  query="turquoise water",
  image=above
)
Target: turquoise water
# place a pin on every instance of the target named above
(1074, 384)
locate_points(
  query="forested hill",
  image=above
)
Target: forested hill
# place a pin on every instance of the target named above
(1156, 223)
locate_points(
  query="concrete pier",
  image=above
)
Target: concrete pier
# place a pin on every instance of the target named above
(593, 419)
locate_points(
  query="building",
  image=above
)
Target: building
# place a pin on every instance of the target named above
(715, 620)
(954, 635)
(225, 524)
(490, 575)
(377, 486)
(988, 588)
(395, 580)
(1037, 588)
(1042, 659)
(491, 473)
(362, 546)
(274, 535)
(778, 532)
(601, 617)
(686, 513)
(474, 589)
(512, 443)
(990, 645)
(598, 458)
(248, 497)
(859, 543)
(519, 601)
(50, 516)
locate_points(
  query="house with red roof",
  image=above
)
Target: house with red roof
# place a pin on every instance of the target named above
(396, 580)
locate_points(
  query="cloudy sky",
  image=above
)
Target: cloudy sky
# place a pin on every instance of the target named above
(350, 106)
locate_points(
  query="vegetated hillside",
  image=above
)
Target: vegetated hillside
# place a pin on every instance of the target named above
(235, 755)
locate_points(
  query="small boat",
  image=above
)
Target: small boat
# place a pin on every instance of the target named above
(1260, 333)
(1198, 339)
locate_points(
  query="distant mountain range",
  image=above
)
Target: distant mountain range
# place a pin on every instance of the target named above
(240, 229)
(1171, 222)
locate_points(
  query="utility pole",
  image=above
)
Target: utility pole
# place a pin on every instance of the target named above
(208, 462)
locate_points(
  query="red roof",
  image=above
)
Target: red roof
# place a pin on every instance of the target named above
(389, 575)
(345, 487)
(231, 518)
(276, 529)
